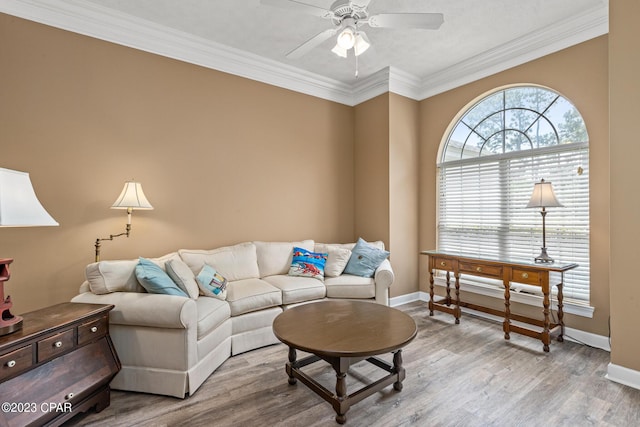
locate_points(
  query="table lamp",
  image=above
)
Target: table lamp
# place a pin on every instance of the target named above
(543, 197)
(19, 207)
(132, 197)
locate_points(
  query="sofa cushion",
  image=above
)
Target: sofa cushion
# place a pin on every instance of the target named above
(236, 262)
(349, 286)
(182, 275)
(307, 264)
(336, 261)
(275, 257)
(248, 295)
(365, 258)
(113, 276)
(155, 280)
(212, 283)
(118, 275)
(255, 320)
(212, 312)
(297, 289)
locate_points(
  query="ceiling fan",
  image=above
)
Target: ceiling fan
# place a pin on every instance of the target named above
(347, 17)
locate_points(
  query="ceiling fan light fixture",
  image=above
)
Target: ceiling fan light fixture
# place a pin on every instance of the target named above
(347, 38)
(361, 44)
(340, 51)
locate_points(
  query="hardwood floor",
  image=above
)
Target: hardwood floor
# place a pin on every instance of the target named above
(457, 375)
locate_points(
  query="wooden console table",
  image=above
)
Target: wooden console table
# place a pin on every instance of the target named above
(530, 273)
(59, 364)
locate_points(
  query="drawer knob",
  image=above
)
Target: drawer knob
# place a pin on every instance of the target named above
(57, 344)
(479, 269)
(525, 275)
(69, 396)
(442, 263)
(11, 363)
(94, 329)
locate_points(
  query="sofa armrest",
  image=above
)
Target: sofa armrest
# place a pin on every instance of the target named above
(383, 277)
(143, 309)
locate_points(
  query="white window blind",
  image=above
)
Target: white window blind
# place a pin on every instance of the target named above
(482, 199)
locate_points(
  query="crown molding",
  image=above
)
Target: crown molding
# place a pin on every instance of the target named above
(106, 24)
(553, 38)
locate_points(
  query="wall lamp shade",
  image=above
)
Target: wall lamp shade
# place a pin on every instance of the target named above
(19, 207)
(543, 197)
(131, 198)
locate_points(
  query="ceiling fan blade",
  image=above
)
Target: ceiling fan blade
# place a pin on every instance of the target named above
(298, 6)
(311, 44)
(427, 21)
(361, 3)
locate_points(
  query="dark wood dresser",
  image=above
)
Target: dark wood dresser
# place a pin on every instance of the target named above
(60, 364)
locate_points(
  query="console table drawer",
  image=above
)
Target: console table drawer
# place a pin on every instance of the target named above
(481, 269)
(15, 362)
(93, 330)
(525, 276)
(55, 345)
(444, 264)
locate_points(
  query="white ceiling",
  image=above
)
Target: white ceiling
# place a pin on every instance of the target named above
(243, 37)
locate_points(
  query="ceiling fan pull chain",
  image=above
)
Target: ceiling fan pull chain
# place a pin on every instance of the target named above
(356, 66)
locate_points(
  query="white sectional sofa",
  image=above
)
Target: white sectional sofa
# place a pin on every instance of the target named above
(171, 344)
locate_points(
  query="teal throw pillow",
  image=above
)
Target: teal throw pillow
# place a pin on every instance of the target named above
(365, 259)
(308, 264)
(212, 283)
(155, 280)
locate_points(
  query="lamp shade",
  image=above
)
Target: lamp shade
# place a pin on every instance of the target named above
(19, 206)
(132, 197)
(347, 38)
(362, 43)
(543, 196)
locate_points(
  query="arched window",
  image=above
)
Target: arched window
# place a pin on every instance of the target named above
(496, 151)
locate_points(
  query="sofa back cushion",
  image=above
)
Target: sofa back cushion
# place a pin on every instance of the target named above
(118, 275)
(275, 257)
(236, 262)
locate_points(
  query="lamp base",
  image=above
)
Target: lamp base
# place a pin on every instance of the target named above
(11, 325)
(543, 257)
(8, 322)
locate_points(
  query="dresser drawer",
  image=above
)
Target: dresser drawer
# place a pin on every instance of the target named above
(93, 330)
(525, 276)
(481, 269)
(444, 264)
(15, 362)
(55, 345)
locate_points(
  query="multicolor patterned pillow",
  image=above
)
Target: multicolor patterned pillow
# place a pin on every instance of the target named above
(307, 264)
(212, 283)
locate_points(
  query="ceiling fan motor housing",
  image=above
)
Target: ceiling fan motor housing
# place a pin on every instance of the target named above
(345, 9)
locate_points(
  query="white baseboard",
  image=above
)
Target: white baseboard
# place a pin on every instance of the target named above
(623, 375)
(575, 335)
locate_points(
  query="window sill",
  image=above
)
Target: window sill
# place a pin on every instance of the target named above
(570, 306)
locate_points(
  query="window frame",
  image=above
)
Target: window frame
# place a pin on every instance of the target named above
(577, 306)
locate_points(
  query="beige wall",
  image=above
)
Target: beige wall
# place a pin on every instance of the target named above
(372, 169)
(222, 159)
(624, 79)
(386, 174)
(580, 74)
(404, 146)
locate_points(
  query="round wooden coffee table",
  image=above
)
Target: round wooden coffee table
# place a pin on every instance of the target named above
(343, 333)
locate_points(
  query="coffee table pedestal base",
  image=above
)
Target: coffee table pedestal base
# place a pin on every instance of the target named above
(340, 400)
